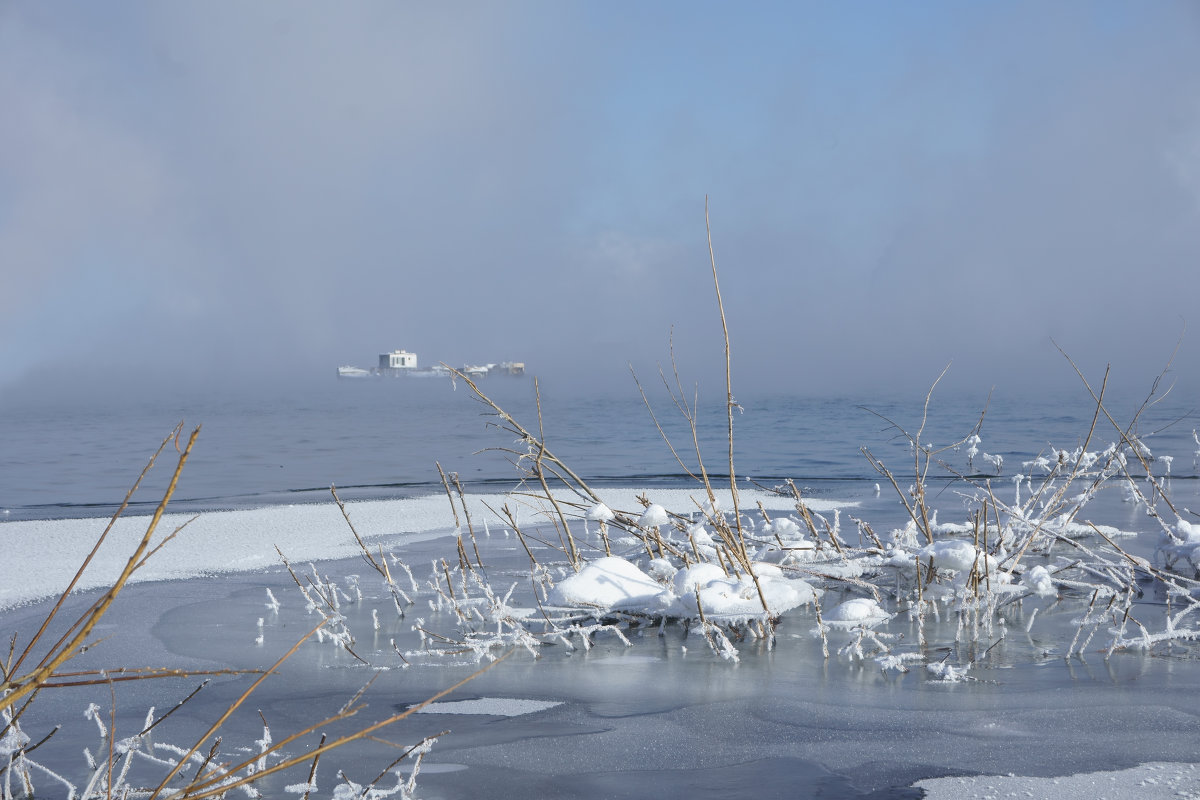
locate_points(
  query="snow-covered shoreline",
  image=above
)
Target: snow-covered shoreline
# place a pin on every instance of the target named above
(41, 556)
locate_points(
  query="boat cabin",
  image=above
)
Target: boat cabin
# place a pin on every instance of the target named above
(398, 359)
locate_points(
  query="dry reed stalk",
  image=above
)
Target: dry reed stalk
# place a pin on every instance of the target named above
(1126, 434)
(730, 404)
(449, 496)
(920, 585)
(231, 708)
(541, 476)
(879, 467)
(821, 629)
(165, 540)
(803, 511)
(174, 708)
(833, 537)
(517, 530)
(462, 499)
(511, 425)
(379, 566)
(210, 778)
(721, 560)
(407, 751)
(923, 461)
(1054, 505)
(12, 667)
(687, 415)
(864, 526)
(541, 456)
(14, 687)
(450, 585)
(604, 537)
(1127, 438)
(197, 791)
(739, 541)
(312, 772)
(732, 535)
(112, 735)
(922, 475)
(125, 674)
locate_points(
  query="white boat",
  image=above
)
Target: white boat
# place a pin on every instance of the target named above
(403, 364)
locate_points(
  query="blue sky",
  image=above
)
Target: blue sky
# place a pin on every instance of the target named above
(255, 193)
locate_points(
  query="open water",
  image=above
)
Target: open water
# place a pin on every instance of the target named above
(377, 439)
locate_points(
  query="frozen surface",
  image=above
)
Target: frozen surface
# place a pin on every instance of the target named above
(1147, 782)
(663, 716)
(652, 718)
(490, 706)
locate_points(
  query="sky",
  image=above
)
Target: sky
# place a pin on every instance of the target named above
(232, 194)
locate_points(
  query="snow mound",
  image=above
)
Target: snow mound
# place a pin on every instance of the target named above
(1038, 581)
(859, 612)
(614, 584)
(953, 554)
(728, 599)
(653, 516)
(600, 513)
(686, 581)
(611, 584)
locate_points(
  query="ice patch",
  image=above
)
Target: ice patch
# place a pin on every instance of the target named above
(490, 706)
(1157, 781)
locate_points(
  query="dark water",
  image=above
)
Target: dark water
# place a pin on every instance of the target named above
(72, 457)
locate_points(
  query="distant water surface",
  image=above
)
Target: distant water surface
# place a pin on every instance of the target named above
(382, 438)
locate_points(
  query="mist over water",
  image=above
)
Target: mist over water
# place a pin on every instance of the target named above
(241, 195)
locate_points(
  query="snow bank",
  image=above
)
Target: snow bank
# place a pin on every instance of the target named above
(40, 557)
(212, 543)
